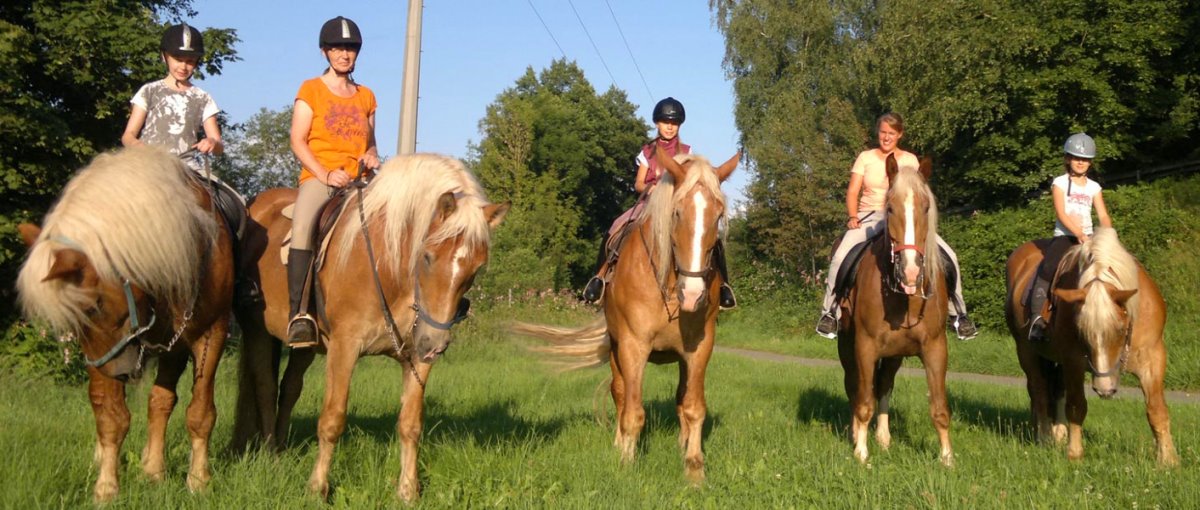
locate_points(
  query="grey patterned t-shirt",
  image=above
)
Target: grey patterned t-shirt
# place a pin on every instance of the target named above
(174, 119)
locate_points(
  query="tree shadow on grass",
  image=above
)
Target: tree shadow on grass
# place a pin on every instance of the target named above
(1004, 421)
(661, 415)
(494, 423)
(819, 405)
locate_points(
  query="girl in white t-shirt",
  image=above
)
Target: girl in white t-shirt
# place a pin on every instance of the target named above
(1075, 195)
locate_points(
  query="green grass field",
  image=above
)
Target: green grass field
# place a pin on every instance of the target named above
(503, 431)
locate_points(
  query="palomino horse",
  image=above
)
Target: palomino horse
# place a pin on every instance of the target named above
(897, 308)
(661, 305)
(133, 260)
(1108, 317)
(427, 229)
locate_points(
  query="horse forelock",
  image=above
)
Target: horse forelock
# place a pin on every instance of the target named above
(667, 195)
(909, 180)
(135, 216)
(1102, 260)
(404, 196)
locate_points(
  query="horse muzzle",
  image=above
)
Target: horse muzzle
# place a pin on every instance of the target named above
(431, 342)
(693, 294)
(125, 366)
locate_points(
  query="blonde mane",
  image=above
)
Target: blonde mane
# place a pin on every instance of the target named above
(660, 207)
(404, 196)
(909, 179)
(134, 214)
(1106, 260)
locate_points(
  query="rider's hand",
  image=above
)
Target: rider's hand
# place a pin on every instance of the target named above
(337, 178)
(207, 145)
(370, 160)
(853, 222)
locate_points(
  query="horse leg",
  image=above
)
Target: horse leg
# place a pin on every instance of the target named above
(408, 428)
(202, 410)
(1150, 375)
(1076, 411)
(1058, 396)
(340, 362)
(289, 392)
(692, 409)
(617, 388)
(885, 380)
(161, 404)
(862, 401)
(107, 396)
(633, 414)
(934, 358)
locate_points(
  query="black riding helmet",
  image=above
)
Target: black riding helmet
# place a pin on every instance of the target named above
(183, 40)
(669, 109)
(340, 31)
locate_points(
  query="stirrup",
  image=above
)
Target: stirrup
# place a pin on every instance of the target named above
(302, 332)
(729, 303)
(827, 326)
(1037, 329)
(965, 328)
(594, 290)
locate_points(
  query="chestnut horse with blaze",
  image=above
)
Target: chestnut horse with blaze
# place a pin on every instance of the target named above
(133, 261)
(407, 244)
(897, 308)
(661, 305)
(1108, 317)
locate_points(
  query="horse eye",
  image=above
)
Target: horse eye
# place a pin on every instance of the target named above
(428, 258)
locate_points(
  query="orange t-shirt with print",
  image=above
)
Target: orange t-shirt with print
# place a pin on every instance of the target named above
(340, 128)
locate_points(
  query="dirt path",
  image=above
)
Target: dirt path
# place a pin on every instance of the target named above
(1126, 392)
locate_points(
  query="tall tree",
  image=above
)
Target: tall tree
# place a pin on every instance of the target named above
(564, 155)
(988, 88)
(67, 72)
(258, 153)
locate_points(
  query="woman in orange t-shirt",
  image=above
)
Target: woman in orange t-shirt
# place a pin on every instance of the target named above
(333, 130)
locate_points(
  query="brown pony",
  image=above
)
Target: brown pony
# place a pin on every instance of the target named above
(660, 306)
(1108, 317)
(427, 229)
(897, 308)
(132, 261)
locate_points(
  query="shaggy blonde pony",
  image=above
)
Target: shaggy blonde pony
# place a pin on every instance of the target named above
(666, 196)
(1103, 258)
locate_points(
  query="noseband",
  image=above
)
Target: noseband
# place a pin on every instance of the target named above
(136, 329)
(898, 269)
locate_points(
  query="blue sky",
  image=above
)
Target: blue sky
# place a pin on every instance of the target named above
(474, 49)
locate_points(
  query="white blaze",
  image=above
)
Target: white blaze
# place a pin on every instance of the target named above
(459, 255)
(910, 229)
(698, 231)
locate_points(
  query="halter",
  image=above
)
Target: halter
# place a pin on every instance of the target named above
(136, 329)
(894, 283)
(421, 313)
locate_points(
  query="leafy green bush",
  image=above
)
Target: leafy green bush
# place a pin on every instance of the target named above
(30, 351)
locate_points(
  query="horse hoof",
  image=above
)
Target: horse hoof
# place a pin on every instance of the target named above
(885, 441)
(156, 476)
(1168, 461)
(104, 493)
(861, 456)
(319, 488)
(948, 460)
(694, 472)
(197, 483)
(408, 492)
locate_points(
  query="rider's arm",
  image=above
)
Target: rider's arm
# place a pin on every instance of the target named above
(370, 157)
(212, 137)
(133, 128)
(302, 116)
(1101, 210)
(639, 183)
(852, 193)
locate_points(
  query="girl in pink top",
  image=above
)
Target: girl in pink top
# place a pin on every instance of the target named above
(865, 203)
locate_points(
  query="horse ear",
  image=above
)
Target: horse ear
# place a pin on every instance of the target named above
(670, 164)
(29, 233)
(1071, 295)
(1120, 297)
(447, 204)
(926, 167)
(726, 168)
(69, 265)
(892, 168)
(495, 213)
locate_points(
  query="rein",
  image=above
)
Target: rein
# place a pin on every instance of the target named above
(421, 314)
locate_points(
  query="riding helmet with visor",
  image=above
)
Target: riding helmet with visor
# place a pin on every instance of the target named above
(1080, 145)
(341, 31)
(669, 110)
(182, 40)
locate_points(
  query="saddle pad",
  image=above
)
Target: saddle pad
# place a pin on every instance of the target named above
(325, 223)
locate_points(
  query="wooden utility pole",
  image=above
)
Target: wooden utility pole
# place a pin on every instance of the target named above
(407, 143)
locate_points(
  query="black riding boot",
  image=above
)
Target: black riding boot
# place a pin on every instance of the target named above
(302, 330)
(595, 286)
(726, 298)
(1037, 301)
(963, 326)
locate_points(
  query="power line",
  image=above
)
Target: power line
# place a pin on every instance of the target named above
(589, 36)
(548, 32)
(631, 57)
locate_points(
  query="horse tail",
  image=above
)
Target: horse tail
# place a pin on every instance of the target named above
(570, 348)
